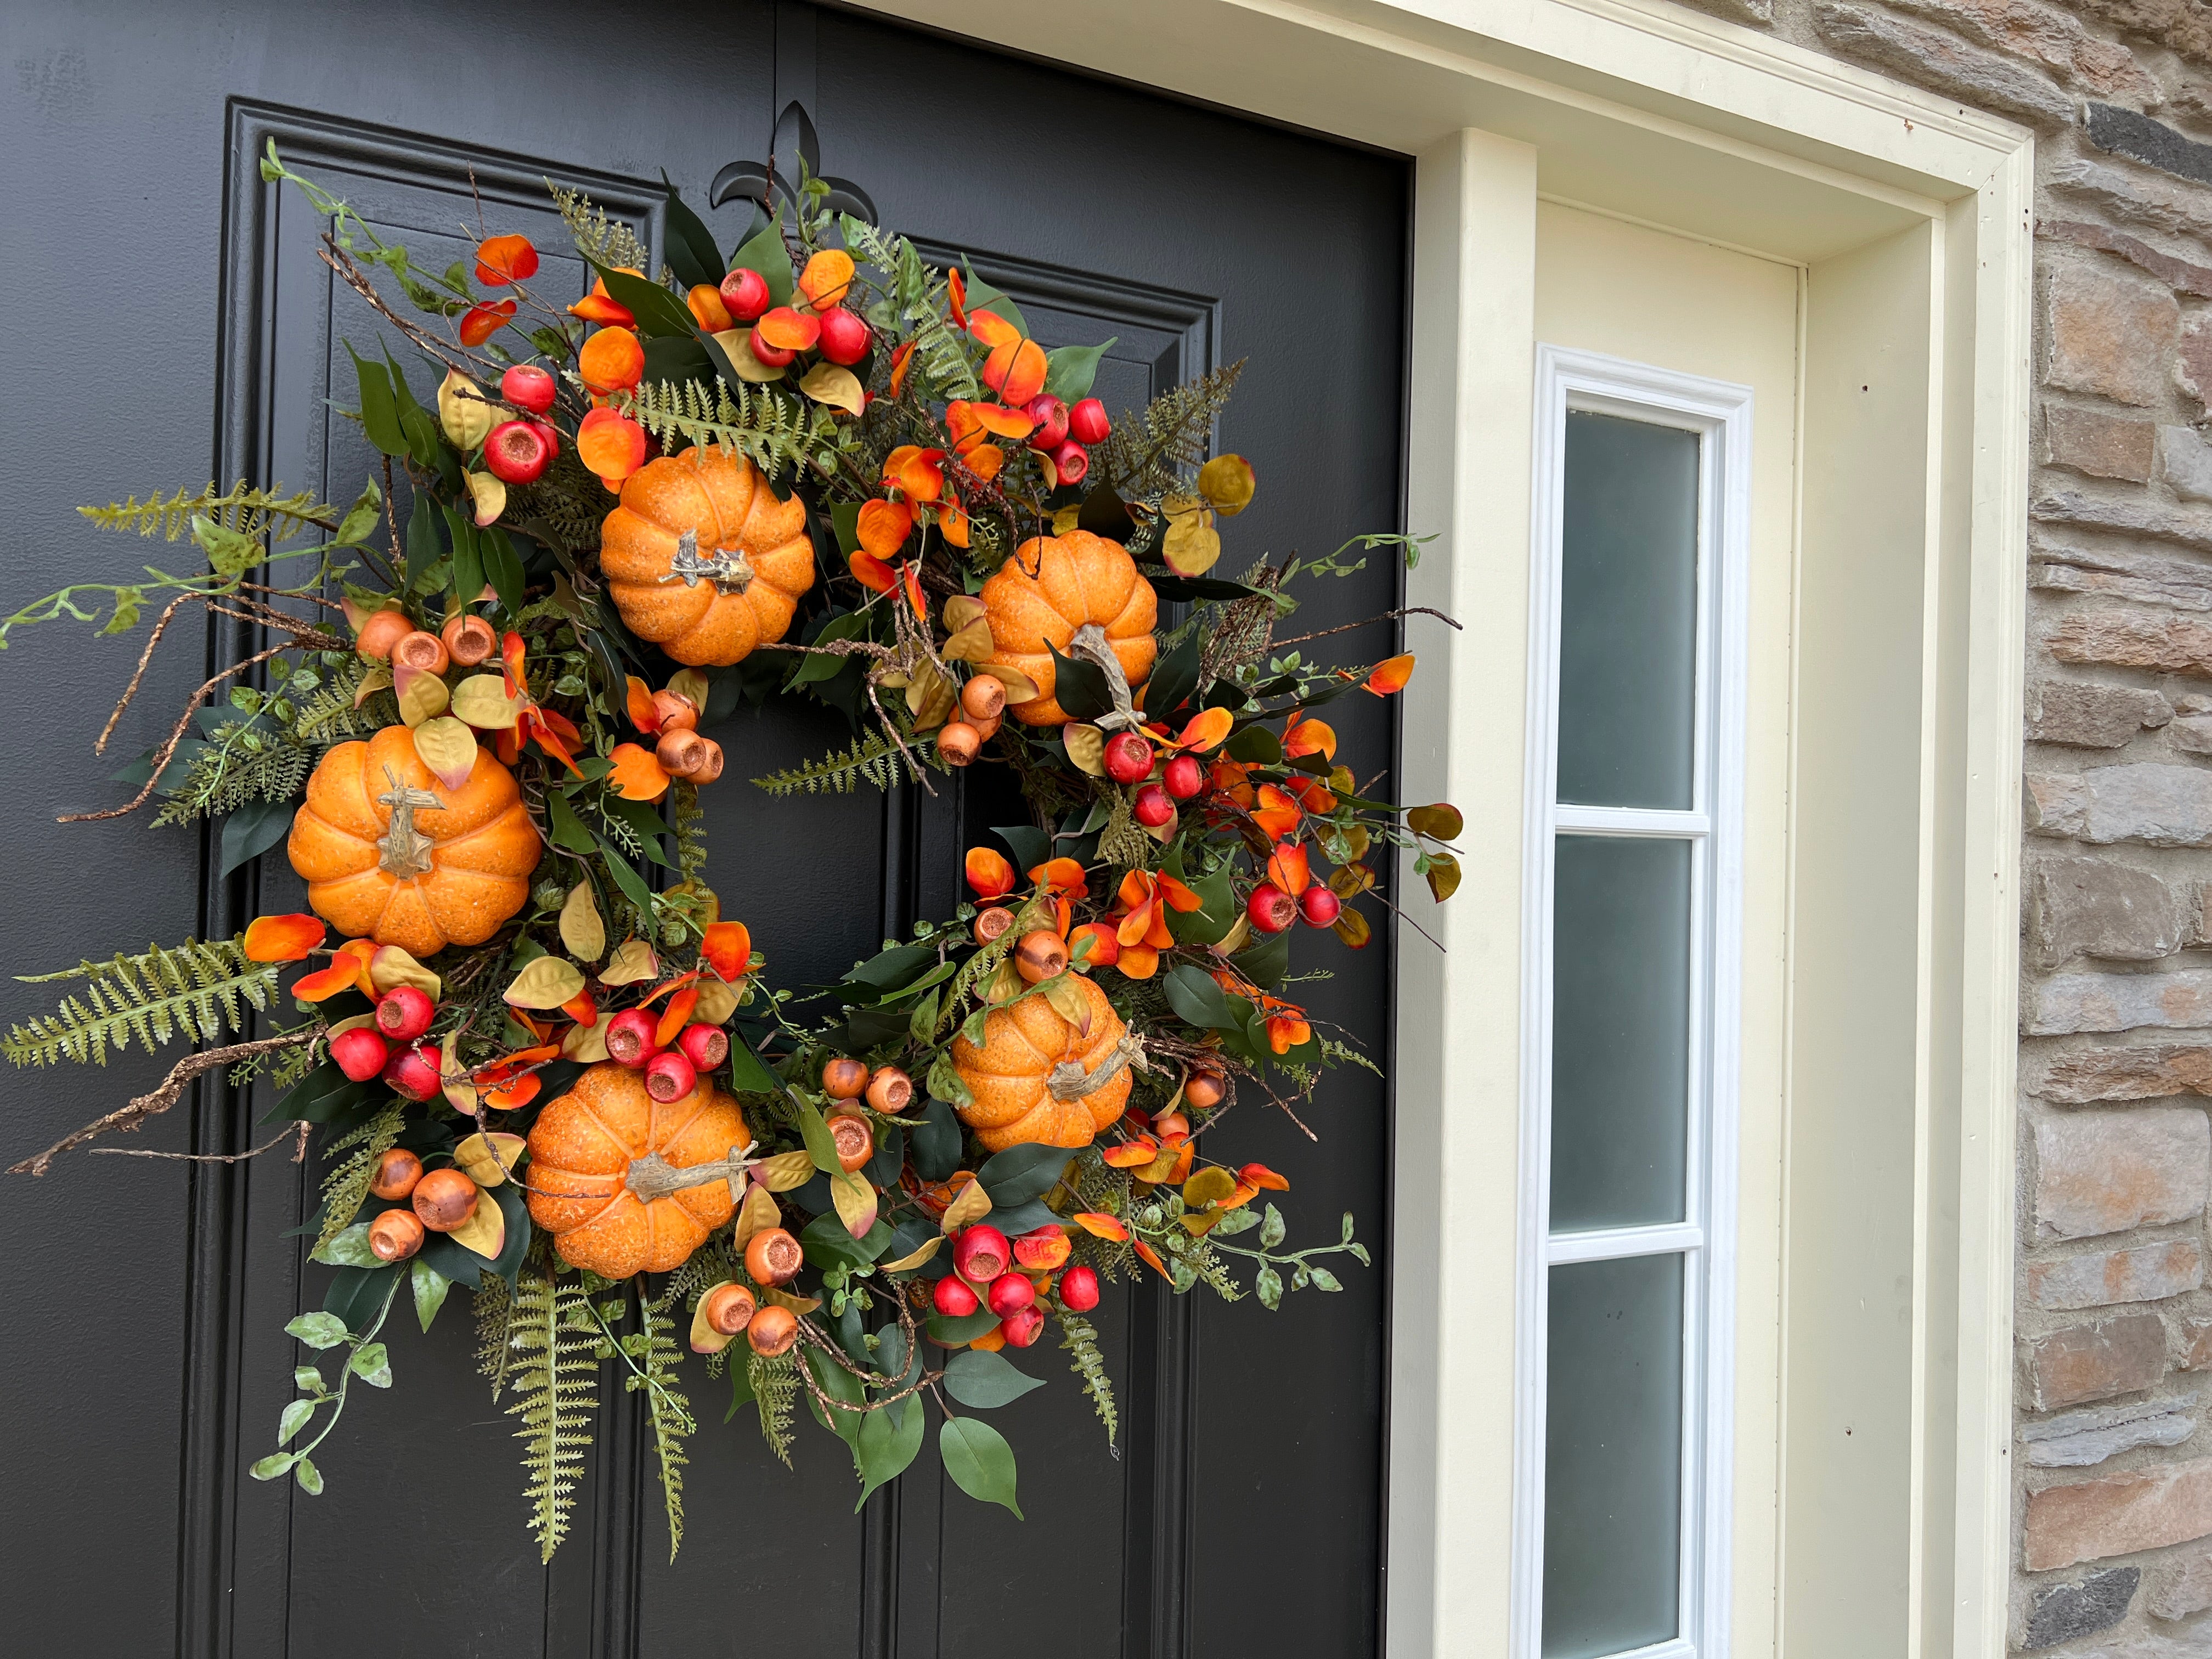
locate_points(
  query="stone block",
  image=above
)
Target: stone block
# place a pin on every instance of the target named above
(2090, 714)
(2098, 444)
(2146, 1072)
(2149, 1272)
(2160, 804)
(2118, 1002)
(2192, 734)
(2178, 1589)
(2079, 1439)
(1934, 58)
(2184, 461)
(2196, 1345)
(2097, 1602)
(2133, 638)
(2140, 199)
(2093, 907)
(2080, 1363)
(2184, 274)
(2122, 572)
(2140, 138)
(2193, 361)
(2118, 1514)
(2104, 1172)
(2050, 37)
(2110, 334)
(2123, 518)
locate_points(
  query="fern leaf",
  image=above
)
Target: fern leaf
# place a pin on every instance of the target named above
(777, 432)
(673, 1422)
(346, 1189)
(193, 989)
(921, 293)
(687, 819)
(603, 241)
(873, 759)
(555, 1368)
(493, 1308)
(1080, 1338)
(329, 715)
(1147, 454)
(241, 508)
(775, 1391)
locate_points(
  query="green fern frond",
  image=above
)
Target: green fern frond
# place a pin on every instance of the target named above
(921, 294)
(192, 990)
(555, 1368)
(493, 1308)
(1080, 1338)
(238, 766)
(327, 714)
(689, 820)
(777, 432)
(873, 759)
(1147, 454)
(241, 508)
(346, 1189)
(775, 1391)
(603, 241)
(673, 1422)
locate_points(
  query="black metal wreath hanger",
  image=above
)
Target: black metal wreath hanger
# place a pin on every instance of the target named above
(768, 185)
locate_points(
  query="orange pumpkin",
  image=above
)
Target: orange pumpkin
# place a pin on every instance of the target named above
(601, 1159)
(390, 853)
(1037, 1077)
(1053, 585)
(701, 558)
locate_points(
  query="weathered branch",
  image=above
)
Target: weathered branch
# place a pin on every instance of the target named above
(162, 756)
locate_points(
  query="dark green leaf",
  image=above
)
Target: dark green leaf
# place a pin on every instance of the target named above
(839, 1385)
(356, 1294)
(688, 245)
(979, 1459)
(1254, 745)
(1266, 962)
(748, 1074)
(633, 886)
(1069, 370)
(1025, 1217)
(430, 1287)
(1105, 514)
(657, 310)
(1191, 993)
(821, 1144)
(764, 252)
(252, 830)
(1174, 680)
(568, 829)
(380, 412)
(419, 428)
(1080, 686)
(886, 1446)
(952, 1333)
(1031, 845)
(679, 357)
(890, 1159)
(503, 568)
(1216, 913)
(468, 556)
(936, 1142)
(982, 296)
(741, 1385)
(894, 969)
(827, 1244)
(1022, 1173)
(984, 1380)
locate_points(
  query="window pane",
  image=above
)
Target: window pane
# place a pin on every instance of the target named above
(1621, 1032)
(1613, 1456)
(1628, 617)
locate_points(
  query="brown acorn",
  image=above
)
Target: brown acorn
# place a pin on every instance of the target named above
(984, 697)
(395, 1235)
(843, 1079)
(959, 743)
(468, 639)
(1204, 1089)
(397, 1172)
(889, 1089)
(854, 1140)
(991, 923)
(773, 1256)
(728, 1309)
(1041, 956)
(773, 1331)
(444, 1199)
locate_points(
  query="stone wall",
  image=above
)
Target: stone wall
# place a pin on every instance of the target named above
(2112, 1510)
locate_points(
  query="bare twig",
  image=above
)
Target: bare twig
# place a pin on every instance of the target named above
(161, 755)
(285, 1133)
(1346, 628)
(145, 657)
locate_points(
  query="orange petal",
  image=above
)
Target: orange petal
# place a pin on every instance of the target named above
(728, 949)
(1129, 1155)
(957, 298)
(1016, 371)
(581, 1009)
(1284, 1033)
(920, 475)
(1289, 868)
(637, 775)
(349, 970)
(871, 572)
(790, 330)
(1309, 737)
(1206, 730)
(705, 303)
(990, 875)
(1003, 422)
(1149, 1256)
(1186, 1155)
(669, 987)
(503, 259)
(1063, 876)
(507, 1096)
(1389, 676)
(611, 445)
(1099, 1224)
(611, 360)
(598, 307)
(1134, 927)
(1136, 888)
(283, 939)
(1176, 894)
(992, 329)
(676, 1016)
(913, 580)
(1277, 814)
(952, 523)
(1259, 1174)
(639, 705)
(962, 423)
(1314, 798)
(984, 460)
(902, 361)
(991, 1341)
(885, 527)
(825, 279)
(483, 321)
(1138, 961)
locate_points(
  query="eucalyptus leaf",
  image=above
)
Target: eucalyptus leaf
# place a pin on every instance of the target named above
(983, 1380)
(885, 1446)
(979, 1459)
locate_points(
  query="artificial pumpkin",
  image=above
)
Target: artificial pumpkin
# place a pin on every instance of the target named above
(1053, 585)
(390, 853)
(1037, 1077)
(604, 1160)
(701, 558)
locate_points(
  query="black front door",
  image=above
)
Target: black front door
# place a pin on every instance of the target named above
(155, 280)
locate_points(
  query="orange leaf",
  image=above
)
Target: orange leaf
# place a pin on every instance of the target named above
(1138, 961)
(581, 1009)
(503, 259)
(913, 580)
(1239, 1195)
(520, 1092)
(825, 279)
(1129, 1155)
(989, 874)
(705, 303)
(1003, 422)
(611, 445)
(1178, 895)
(1310, 736)
(636, 776)
(349, 970)
(1099, 1224)
(1064, 876)
(611, 360)
(1259, 1174)
(789, 331)
(676, 984)
(871, 572)
(1205, 730)
(598, 307)
(917, 472)
(1149, 1257)
(884, 527)
(984, 460)
(1289, 868)
(283, 939)
(676, 1016)
(1388, 676)
(1016, 371)
(639, 705)
(728, 949)
(952, 523)
(1186, 1155)
(992, 329)
(1277, 814)
(483, 321)
(957, 298)
(902, 361)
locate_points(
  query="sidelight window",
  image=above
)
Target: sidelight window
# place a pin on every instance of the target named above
(1633, 940)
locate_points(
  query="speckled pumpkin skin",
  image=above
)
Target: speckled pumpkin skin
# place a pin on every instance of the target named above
(724, 498)
(1050, 587)
(582, 1147)
(485, 847)
(1008, 1073)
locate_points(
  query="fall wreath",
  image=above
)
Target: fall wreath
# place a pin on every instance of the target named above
(536, 1056)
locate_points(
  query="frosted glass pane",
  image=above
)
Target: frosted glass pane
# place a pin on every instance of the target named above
(1628, 615)
(1620, 1031)
(1613, 1456)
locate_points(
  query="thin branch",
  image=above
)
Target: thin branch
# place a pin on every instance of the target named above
(145, 657)
(284, 1133)
(163, 755)
(1346, 628)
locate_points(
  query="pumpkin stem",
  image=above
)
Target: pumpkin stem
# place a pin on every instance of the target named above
(1090, 643)
(1069, 1081)
(653, 1177)
(730, 571)
(406, 850)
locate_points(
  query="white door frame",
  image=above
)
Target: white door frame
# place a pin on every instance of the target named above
(1910, 214)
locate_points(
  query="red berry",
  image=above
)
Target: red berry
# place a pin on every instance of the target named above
(515, 452)
(404, 1013)
(1087, 422)
(1051, 417)
(413, 1073)
(1271, 908)
(1128, 757)
(845, 337)
(1183, 777)
(630, 1036)
(1022, 1327)
(552, 436)
(1079, 1290)
(705, 1045)
(1319, 906)
(360, 1053)
(1152, 807)
(669, 1076)
(745, 293)
(768, 354)
(528, 387)
(979, 1255)
(1010, 1294)
(1071, 462)
(954, 1299)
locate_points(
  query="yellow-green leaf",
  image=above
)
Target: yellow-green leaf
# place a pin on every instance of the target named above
(1439, 822)
(971, 1205)
(1086, 747)
(486, 1230)
(913, 1258)
(448, 748)
(1444, 876)
(581, 929)
(392, 966)
(545, 983)
(486, 1159)
(1068, 1002)
(840, 388)
(460, 1093)
(632, 962)
(587, 1043)
(705, 1339)
(1191, 545)
(784, 1170)
(738, 344)
(1227, 481)
(855, 1200)
(757, 1214)
(481, 701)
(421, 696)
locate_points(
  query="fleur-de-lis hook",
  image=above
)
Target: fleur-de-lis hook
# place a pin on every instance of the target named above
(766, 185)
